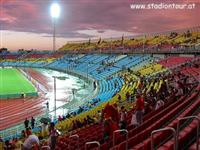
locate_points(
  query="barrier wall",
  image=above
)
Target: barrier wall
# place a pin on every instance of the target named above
(18, 95)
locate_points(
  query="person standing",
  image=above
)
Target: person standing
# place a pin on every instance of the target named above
(26, 123)
(139, 110)
(94, 85)
(53, 136)
(47, 104)
(32, 123)
(123, 118)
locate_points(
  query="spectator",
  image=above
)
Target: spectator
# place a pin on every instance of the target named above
(28, 131)
(45, 130)
(7, 145)
(109, 128)
(53, 136)
(74, 125)
(89, 120)
(63, 117)
(123, 118)
(132, 97)
(59, 118)
(115, 113)
(19, 144)
(13, 143)
(23, 134)
(139, 109)
(31, 142)
(85, 122)
(32, 123)
(47, 104)
(1, 143)
(96, 121)
(159, 104)
(133, 120)
(26, 123)
(94, 85)
(127, 96)
(119, 98)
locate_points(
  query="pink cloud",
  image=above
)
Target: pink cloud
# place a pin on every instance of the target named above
(95, 14)
(101, 15)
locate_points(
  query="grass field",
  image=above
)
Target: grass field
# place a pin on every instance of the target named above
(13, 82)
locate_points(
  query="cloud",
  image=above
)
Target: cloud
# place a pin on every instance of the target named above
(93, 18)
(70, 35)
(33, 16)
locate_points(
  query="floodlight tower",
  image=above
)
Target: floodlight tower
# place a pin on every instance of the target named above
(55, 13)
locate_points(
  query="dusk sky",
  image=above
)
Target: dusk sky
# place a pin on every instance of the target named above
(27, 23)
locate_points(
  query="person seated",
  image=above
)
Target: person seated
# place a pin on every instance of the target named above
(28, 131)
(7, 145)
(159, 104)
(59, 118)
(85, 122)
(74, 125)
(31, 142)
(19, 144)
(23, 134)
(89, 120)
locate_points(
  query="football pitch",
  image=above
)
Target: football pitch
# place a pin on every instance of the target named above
(13, 84)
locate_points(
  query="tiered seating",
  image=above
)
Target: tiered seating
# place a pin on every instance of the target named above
(134, 142)
(168, 41)
(194, 146)
(185, 134)
(108, 89)
(172, 61)
(63, 63)
(125, 62)
(146, 144)
(10, 56)
(154, 121)
(152, 68)
(29, 60)
(102, 68)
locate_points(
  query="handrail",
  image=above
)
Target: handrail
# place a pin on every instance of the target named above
(77, 137)
(161, 130)
(92, 142)
(186, 118)
(122, 130)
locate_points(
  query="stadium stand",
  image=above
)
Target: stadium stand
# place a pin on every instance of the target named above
(120, 78)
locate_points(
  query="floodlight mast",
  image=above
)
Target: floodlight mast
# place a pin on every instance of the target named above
(55, 13)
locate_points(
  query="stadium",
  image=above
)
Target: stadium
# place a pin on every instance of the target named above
(129, 92)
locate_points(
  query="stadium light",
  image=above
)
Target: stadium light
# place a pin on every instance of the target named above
(55, 10)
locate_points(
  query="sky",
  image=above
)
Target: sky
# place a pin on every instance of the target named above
(27, 24)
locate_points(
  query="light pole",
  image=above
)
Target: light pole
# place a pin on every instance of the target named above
(111, 47)
(87, 71)
(55, 13)
(144, 38)
(54, 89)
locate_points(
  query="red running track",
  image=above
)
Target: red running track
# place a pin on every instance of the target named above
(14, 111)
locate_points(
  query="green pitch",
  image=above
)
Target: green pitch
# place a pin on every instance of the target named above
(13, 83)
